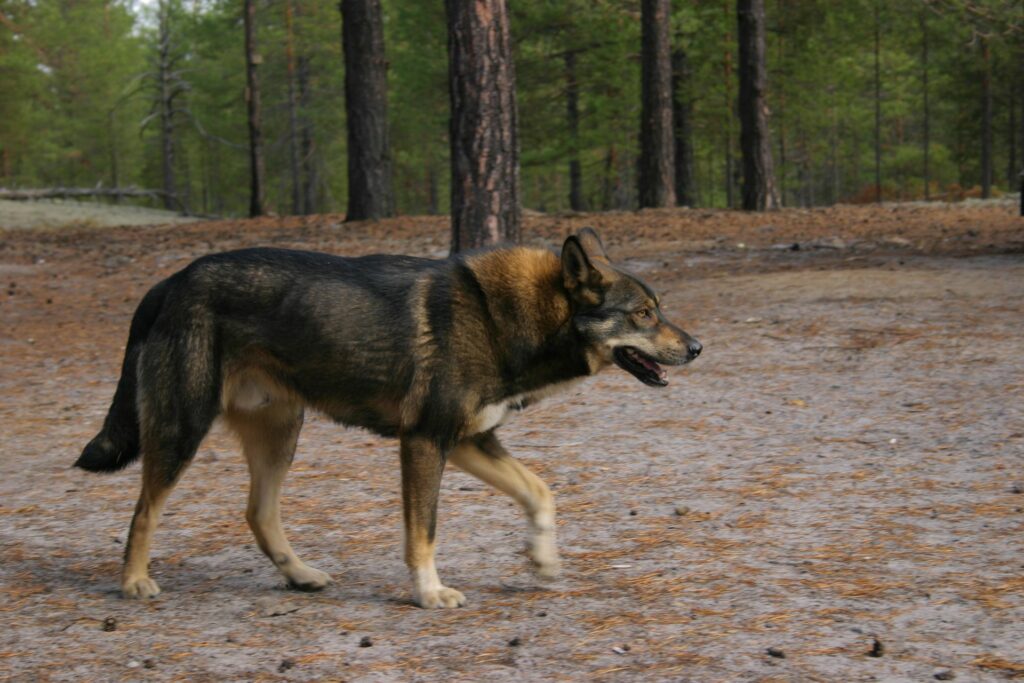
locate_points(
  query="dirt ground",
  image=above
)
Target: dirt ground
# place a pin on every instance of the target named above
(834, 491)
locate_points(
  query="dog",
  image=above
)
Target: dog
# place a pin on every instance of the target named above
(435, 352)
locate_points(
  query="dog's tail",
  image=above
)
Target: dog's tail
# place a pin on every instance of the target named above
(117, 444)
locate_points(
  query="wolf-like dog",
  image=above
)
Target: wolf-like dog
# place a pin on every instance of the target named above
(434, 352)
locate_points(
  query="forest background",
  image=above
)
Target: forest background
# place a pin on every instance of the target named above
(79, 99)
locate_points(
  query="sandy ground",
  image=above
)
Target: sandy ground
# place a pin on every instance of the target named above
(834, 491)
(67, 213)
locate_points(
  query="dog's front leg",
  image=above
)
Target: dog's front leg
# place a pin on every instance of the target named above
(422, 467)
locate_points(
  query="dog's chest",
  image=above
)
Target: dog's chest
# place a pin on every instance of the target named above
(494, 414)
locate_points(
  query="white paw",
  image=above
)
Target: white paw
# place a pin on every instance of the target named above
(544, 555)
(140, 588)
(441, 597)
(307, 579)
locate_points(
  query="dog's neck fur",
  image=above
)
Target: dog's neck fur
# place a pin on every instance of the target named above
(526, 296)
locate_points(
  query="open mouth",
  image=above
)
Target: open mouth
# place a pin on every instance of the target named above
(641, 366)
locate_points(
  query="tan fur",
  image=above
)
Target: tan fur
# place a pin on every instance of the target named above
(489, 462)
(268, 436)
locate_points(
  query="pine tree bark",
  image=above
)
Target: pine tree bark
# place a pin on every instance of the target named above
(257, 174)
(166, 105)
(370, 192)
(682, 116)
(483, 133)
(986, 120)
(293, 113)
(657, 150)
(572, 113)
(926, 145)
(310, 182)
(759, 193)
(878, 105)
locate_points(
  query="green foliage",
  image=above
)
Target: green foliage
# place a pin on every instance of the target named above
(76, 85)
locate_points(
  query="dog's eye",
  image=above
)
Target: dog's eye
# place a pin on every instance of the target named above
(644, 314)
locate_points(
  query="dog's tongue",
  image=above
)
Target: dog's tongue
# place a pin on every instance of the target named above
(652, 366)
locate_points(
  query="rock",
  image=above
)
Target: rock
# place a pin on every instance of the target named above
(515, 642)
(944, 675)
(877, 648)
(149, 663)
(110, 624)
(776, 652)
(286, 663)
(366, 641)
(1017, 488)
(682, 510)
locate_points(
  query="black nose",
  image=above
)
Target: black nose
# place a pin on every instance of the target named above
(694, 347)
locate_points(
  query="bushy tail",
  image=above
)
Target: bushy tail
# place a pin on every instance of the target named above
(117, 444)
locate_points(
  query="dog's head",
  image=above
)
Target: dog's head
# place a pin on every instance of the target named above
(619, 316)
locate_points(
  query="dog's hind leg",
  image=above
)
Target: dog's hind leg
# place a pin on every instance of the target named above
(485, 458)
(268, 436)
(177, 403)
(422, 467)
(157, 483)
(168, 446)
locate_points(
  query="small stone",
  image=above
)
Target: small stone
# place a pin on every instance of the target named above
(133, 664)
(366, 641)
(542, 614)
(286, 663)
(515, 642)
(944, 675)
(149, 663)
(110, 624)
(632, 513)
(1017, 488)
(618, 650)
(776, 652)
(682, 510)
(877, 648)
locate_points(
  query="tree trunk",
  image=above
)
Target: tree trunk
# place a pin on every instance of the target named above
(370, 193)
(878, 107)
(657, 151)
(682, 115)
(572, 112)
(927, 109)
(727, 128)
(780, 108)
(484, 126)
(293, 114)
(310, 205)
(986, 120)
(252, 98)
(165, 104)
(1011, 162)
(759, 193)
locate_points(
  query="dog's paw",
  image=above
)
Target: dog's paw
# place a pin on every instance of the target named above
(441, 597)
(543, 555)
(139, 589)
(308, 579)
(547, 571)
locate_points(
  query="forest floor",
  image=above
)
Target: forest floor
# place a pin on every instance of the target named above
(20, 215)
(833, 491)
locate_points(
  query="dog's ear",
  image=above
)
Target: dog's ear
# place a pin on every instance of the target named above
(592, 245)
(581, 276)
